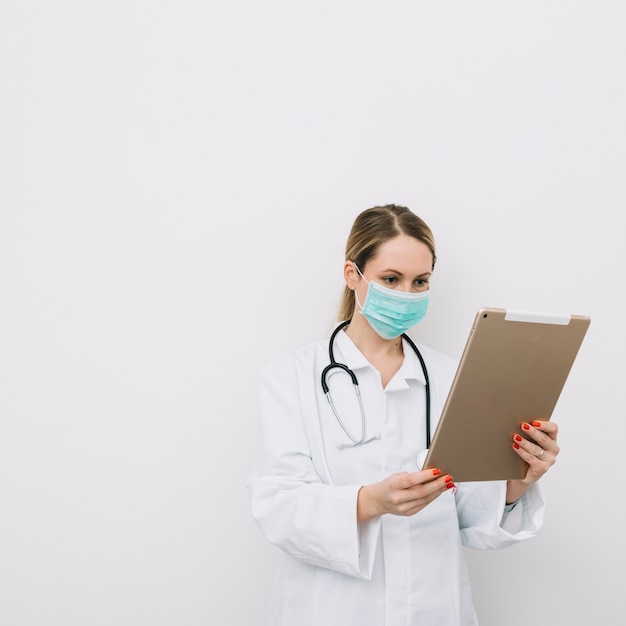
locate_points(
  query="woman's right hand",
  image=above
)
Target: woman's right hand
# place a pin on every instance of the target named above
(403, 493)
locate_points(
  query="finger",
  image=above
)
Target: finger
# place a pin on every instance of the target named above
(430, 492)
(421, 477)
(544, 439)
(431, 489)
(526, 446)
(545, 426)
(538, 458)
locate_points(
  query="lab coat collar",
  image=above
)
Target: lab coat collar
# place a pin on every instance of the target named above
(410, 369)
(350, 354)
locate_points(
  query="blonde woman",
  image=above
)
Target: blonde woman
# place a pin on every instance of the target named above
(368, 538)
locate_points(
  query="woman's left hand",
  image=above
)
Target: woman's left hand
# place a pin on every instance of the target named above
(538, 447)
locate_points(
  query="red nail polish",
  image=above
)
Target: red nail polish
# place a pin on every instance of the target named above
(516, 446)
(518, 438)
(525, 426)
(450, 486)
(536, 424)
(436, 472)
(448, 479)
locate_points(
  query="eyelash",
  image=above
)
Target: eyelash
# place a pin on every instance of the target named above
(391, 280)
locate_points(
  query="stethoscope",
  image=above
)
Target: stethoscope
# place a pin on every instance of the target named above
(359, 441)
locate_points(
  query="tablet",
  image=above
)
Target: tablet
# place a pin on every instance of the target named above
(512, 370)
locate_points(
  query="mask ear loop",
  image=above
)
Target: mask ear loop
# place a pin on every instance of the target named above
(356, 297)
(360, 273)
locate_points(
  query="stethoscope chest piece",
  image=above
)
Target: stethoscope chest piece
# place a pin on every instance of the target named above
(421, 457)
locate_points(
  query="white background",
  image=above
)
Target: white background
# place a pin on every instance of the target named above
(177, 183)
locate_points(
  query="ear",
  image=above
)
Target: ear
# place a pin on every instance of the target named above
(351, 276)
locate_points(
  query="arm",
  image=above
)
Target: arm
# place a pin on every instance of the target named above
(309, 519)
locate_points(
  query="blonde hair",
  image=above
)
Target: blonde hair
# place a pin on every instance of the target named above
(370, 230)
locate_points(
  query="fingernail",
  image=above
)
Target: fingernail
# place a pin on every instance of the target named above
(516, 446)
(436, 472)
(518, 438)
(536, 424)
(448, 478)
(450, 486)
(526, 426)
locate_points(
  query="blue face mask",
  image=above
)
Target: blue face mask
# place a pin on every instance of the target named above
(390, 312)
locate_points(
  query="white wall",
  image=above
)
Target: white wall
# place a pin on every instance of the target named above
(178, 180)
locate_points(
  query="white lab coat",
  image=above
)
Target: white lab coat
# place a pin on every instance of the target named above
(391, 571)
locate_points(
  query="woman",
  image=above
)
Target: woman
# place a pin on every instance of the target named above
(368, 538)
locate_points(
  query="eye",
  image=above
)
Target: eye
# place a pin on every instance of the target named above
(421, 283)
(389, 280)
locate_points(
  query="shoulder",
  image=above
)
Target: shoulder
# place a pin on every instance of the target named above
(299, 360)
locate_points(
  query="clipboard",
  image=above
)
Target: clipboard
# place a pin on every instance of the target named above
(512, 370)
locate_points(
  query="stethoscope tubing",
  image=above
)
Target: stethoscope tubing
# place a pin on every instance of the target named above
(341, 366)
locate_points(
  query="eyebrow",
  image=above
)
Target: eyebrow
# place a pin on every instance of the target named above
(401, 274)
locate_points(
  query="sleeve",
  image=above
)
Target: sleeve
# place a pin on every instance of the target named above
(485, 522)
(306, 518)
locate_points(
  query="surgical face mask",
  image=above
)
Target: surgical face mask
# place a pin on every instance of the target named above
(391, 312)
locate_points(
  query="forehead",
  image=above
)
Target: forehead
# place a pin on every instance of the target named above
(403, 253)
